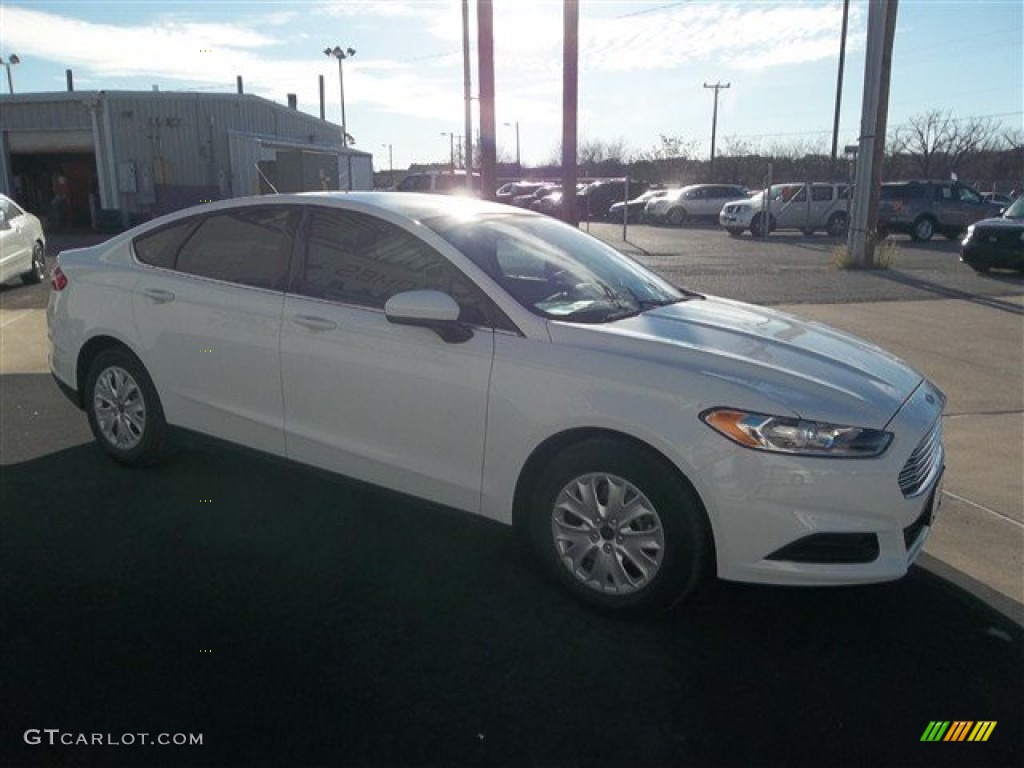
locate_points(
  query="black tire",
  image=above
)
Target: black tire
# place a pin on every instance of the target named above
(734, 231)
(676, 216)
(124, 410)
(756, 228)
(38, 271)
(647, 579)
(923, 229)
(807, 232)
(836, 226)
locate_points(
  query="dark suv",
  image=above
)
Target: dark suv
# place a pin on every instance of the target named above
(594, 201)
(922, 208)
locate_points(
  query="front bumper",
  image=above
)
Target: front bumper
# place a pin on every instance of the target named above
(815, 521)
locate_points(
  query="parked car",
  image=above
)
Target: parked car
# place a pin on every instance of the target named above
(635, 207)
(996, 243)
(694, 201)
(22, 244)
(440, 182)
(923, 208)
(509, 192)
(506, 364)
(594, 200)
(527, 201)
(795, 205)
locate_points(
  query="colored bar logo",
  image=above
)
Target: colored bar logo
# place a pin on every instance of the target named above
(958, 730)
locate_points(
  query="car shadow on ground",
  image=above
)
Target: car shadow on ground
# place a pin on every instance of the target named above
(946, 292)
(295, 618)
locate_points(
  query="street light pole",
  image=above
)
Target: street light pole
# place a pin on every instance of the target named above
(341, 54)
(8, 64)
(391, 164)
(714, 117)
(519, 162)
(451, 148)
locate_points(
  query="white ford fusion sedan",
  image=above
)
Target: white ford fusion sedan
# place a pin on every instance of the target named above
(503, 363)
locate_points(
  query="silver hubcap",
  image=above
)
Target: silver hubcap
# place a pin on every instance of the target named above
(38, 262)
(607, 533)
(120, 408)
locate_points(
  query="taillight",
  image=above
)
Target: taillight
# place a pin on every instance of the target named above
(58, 280)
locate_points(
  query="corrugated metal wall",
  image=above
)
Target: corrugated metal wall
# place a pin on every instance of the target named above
(160, 151)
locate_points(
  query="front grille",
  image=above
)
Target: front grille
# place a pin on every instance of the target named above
(923, 464)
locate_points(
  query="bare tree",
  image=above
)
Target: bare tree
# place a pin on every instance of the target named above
(937, 142)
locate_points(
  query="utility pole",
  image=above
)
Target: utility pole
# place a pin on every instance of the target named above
(839, 85)
(467, 93)
(714, 116)
(488, 145)
(570, 98)
(873, 121)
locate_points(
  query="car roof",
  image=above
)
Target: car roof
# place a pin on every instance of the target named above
(413, 205)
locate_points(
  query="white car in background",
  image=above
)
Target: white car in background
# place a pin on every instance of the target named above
(503, 363)
(22, 244)
(677, 206)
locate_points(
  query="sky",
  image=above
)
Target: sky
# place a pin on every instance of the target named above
(642, 65)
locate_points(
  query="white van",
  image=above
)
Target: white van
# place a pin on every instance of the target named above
(797, 205)
(439, 182)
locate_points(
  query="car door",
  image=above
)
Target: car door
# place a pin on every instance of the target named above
(394, 405)
(821, 205)
(15, 245)
(208, 318)
(793, 211)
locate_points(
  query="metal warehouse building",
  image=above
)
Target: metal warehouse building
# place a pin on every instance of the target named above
(107, 158)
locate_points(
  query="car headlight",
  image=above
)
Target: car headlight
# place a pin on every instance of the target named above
(780, 434)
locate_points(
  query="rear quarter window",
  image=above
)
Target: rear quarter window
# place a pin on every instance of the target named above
(158, 248)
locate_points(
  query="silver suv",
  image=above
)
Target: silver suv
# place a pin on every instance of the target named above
(922, 208)
(698, 200)
(795, 205)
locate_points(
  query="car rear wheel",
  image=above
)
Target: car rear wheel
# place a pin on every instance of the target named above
(676, 216)
(923, 230)
(124, 410)
(836, 225)
(619, 528)
(37, 272)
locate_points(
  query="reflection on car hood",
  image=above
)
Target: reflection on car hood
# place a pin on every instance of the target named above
(815, 371)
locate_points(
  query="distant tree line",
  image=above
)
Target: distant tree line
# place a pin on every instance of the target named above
(930, 145)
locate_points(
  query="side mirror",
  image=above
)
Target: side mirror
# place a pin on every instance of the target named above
(428, 309)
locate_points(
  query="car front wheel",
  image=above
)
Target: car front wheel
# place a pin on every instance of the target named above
(676, 216)
(619, 527)
(123, 408)
(38, 269)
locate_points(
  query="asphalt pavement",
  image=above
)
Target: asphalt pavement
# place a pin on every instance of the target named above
(287, 617)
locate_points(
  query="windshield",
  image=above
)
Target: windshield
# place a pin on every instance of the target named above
(555, 270)
(1016, 210)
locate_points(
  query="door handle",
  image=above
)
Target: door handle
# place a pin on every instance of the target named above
(315, 323)
(158, 296)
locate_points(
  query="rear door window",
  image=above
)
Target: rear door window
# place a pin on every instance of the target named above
(250, 246)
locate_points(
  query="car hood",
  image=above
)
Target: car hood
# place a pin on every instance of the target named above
(814, 371)
(1000, 223)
